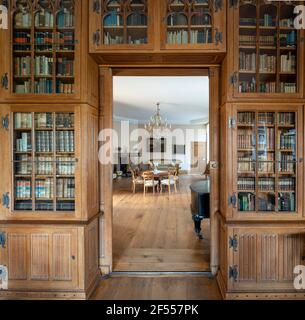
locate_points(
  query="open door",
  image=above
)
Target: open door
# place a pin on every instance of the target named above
(105, 171)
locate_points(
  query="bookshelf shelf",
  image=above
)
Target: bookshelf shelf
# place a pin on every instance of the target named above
(38, 32)
(271, 158)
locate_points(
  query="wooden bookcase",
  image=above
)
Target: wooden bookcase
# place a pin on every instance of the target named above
(192, 24)
(161, 26)
(50, 36)
(52, 165)
(265, 51)
(122, 24)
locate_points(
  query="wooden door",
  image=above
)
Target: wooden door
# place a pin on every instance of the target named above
(265, 258)
(105, 171)
(40, 257)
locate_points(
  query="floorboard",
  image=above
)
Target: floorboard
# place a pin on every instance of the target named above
(156, 232)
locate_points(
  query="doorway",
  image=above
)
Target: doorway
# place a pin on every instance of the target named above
(154, 232)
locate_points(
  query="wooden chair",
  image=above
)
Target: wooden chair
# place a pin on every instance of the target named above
(136, 180)
(149, 181)
(170, 180)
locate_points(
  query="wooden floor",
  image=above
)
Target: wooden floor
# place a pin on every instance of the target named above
(157, 288)
(156, 232)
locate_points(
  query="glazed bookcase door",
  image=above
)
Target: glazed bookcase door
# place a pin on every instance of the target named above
(263, 259)
(268, 162)
(43, 164)
(268, 50)
(193, 24)
(44, 49)
(121, 24)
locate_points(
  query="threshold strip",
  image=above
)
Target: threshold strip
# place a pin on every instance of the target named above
(160, 273)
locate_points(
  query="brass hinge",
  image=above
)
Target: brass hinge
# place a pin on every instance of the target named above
(232, 123)
(5, 122)
(233, 272)
(233, 4)
(2, 239)
(97, 38)
(4, 81)
(96, 6)
(232, 200)
(218, 5)
(234, 79)
(233, 243)
(218, 37)
(6, 200)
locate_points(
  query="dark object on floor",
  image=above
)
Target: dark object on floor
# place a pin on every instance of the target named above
(200, 203)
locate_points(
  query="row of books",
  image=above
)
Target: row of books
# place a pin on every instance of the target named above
(266, 167)
(247, 40)
(66, 88)
(43, 86)
(65, 141)
(265, 118)
(245, 165)
(267, 87)
(289, 22)
(22, 38)
(44, 188)
(201, 19)
(246, 201)
(65, 188)
(54, 41)
(22, 87)
(65, 19)
(268, 21)
(266, 137)
(245, 139)
(65, 67)
(245, 117)
(288, 39)
(65, 120)
(23, 164)
(22, 120)
(201, 36)
(44, 141)
(264, 156)
(288, 62)
(267, 63)
(287, 140)
(288, 87)
(287, 184)
(24, 143)
(44, 18)
(286, 118)
(287, 163)
(286, 202)
(113, 39)
(177, 37)
(132, 40)
(247, 61)
(43, 65)
(247, 21)
(247, 86)
(23, 189)
(22, 66)
(245, 183)
(23, 19)
(44, 120)
(266, 184)
(44, 166)
(65, 205)
(113, 19)
(65, 166)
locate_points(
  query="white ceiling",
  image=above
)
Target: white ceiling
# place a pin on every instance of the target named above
(184, 100)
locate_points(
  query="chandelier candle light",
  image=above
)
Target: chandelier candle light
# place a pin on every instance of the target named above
(156, 123)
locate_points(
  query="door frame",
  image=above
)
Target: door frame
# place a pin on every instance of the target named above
(106, 75)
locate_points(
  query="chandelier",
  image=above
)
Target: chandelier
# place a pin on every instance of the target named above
(156, 123)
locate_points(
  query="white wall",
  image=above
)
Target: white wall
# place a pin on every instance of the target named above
(200, 135)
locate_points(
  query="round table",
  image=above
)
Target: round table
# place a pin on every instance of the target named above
(158, 174)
